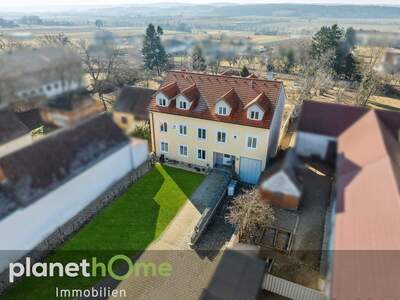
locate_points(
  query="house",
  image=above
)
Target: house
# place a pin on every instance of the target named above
(69, 108)
(13, 133)
(30, 76)
(44, 185)
(390, 62)
(214, 120)
(365, 224)
(132, 106)
(282, 186)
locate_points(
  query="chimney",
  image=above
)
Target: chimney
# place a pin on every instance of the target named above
(270, 75)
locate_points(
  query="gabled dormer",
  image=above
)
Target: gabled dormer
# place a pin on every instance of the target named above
(256, 108)
(187, 98)
(166, 94)
(227, 103)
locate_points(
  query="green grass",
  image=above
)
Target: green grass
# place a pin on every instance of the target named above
(127, 226)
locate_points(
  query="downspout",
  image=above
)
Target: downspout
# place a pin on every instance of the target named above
(153, 141)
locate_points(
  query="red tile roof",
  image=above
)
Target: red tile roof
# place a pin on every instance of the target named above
(261, 100)
(191, 93)
(170, 90)
(212, 88)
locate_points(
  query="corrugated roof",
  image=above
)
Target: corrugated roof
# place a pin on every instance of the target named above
(212, 88)
(367, 211)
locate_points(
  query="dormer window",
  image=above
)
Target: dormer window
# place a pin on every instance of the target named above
(182, 104)
(222, 111)
(254, 115)
(162, 100)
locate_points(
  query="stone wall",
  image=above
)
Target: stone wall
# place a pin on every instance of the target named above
(63, 233)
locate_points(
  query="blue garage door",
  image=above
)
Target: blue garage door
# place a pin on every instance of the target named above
(250, 170)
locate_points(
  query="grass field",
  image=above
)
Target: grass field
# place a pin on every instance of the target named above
(127, 227)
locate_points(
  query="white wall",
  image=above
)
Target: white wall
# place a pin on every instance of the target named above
(308, 144)
(26, 228)
(139, 151)
(275, 127)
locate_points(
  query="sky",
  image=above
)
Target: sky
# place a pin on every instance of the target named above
(69, 3)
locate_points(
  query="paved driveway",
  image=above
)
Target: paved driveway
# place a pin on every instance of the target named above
(191, 269)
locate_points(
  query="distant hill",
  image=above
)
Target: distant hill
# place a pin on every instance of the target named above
(309, 11)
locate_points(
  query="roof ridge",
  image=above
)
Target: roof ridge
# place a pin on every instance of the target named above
(225, 76)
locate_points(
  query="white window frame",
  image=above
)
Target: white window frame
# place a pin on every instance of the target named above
(205, 134)
(162, 102)
(161, 148)
(197, 154)
(247, 142)
(222, 110)
(162, 129)
(187, 150)
(179, 130)
(180, 104)
(226, 136)
(254, 112)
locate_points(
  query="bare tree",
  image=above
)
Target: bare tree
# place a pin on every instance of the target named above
(103, 66)
(250, 215)
(369, 83)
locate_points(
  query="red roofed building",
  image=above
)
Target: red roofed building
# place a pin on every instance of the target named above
(365, 239)
(209, 120)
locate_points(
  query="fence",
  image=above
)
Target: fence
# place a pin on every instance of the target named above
(290, 289)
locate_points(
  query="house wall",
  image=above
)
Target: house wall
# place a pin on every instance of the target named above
(130, 120)
(280, 200)
(15, 144)
(28, 227)
(276, 125)
(234, 146)
(310, 144)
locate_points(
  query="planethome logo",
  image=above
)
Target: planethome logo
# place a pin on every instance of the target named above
(89, 268)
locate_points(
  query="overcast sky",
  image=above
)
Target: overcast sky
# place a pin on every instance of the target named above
(69, 3)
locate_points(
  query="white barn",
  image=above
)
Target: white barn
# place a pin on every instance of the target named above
(46, 184)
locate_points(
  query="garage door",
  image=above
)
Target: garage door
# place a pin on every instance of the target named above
(250, 170)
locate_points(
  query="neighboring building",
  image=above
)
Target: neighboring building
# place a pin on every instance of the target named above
(13, 133)
(390, 63)
(365, 223)
(132, 107)
(282, 186)
(44, 185)
(213, 120)
(69, 108)
(30, 76)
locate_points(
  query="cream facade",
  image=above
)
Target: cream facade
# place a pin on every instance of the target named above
(221, 140)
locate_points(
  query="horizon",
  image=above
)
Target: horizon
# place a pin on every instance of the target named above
(24, 5)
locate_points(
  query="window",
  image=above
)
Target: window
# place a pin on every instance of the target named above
(162, 101)
(183, 150)
(164, 147)
(48, 87)
(124, 120)
(254, 115)
(182, 105)
(251, 142)
(201, 133)
(222, 110)
(56, 85)
(164, 127)
(201, 154)
(182, 130)
(221, 137)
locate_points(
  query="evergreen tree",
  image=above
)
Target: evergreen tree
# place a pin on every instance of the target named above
(244, 72)
(154, 54)
(198, 61)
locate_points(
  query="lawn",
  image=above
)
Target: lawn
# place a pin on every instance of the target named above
(127, 226)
